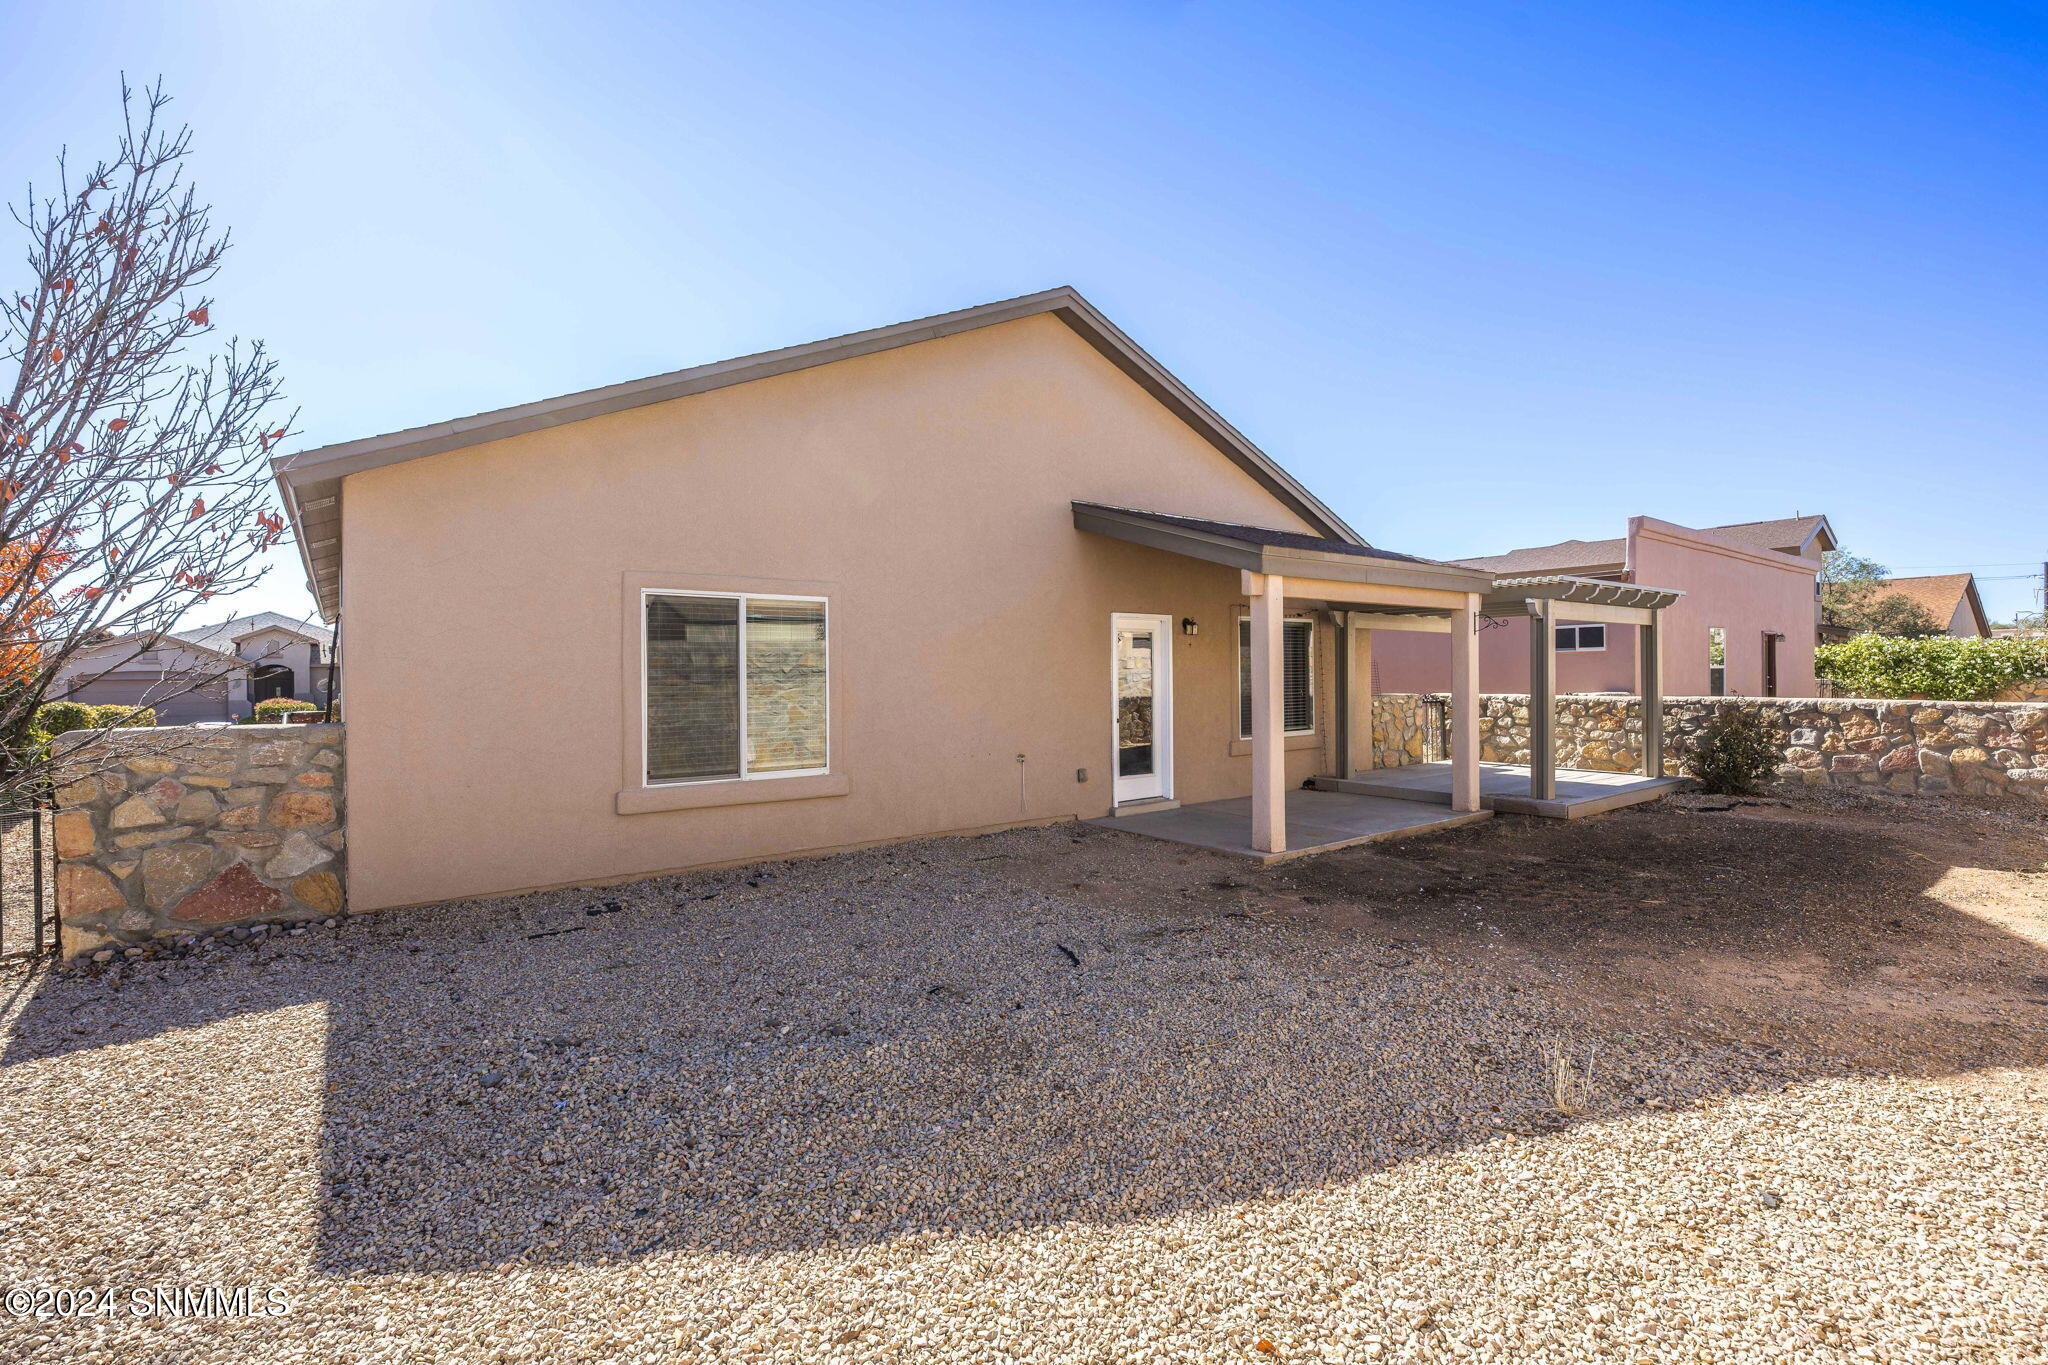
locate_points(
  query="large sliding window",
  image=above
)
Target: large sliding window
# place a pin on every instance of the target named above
(735, 686)
(1297, 677)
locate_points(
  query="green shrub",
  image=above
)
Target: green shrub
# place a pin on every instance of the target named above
(1940, 667)
(60, 717)
(1736, 753)
(273, 710)
(124, 717)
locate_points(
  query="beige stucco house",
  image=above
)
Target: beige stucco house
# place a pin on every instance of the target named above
(985, 569)
(209, 675)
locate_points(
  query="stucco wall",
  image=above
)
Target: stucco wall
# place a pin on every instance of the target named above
(925, 491)
(1416, 661)
(1745, 591)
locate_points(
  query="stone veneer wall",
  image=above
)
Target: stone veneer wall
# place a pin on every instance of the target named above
(1400, 727)
(1975, 748)
(175, 832)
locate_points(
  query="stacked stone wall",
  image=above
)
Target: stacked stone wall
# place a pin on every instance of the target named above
(1932, 747)
(163, 835)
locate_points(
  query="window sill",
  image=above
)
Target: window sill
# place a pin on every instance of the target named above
(1241, 747)
(701, 795)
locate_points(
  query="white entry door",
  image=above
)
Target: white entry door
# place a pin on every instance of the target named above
(1141, 674)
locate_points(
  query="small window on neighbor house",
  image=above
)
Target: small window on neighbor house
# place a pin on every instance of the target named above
(1717, 662)
(1297, 677)
(735, 686)
(1581, 639)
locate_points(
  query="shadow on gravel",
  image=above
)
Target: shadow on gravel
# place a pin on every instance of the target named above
(917, 1042)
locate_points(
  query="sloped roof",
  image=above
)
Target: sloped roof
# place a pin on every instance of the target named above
(1266, 535)
(1565, 554)
(1269, 550)
(310, 482)
(1940, 594)
(223, 636)
(1786, 533)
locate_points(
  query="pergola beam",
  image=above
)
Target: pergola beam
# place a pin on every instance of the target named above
(1542, 704)
(1360, 755)
(1649, 645)
(1387, 620)
(1465, 706)
(1268, 595)
(1564, 611)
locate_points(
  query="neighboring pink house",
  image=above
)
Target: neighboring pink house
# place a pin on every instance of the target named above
(1751, 597)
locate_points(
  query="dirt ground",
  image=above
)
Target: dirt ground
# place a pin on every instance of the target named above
(1857, 930)
(1696, 1081)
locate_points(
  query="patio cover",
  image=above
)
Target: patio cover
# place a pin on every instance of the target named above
(1375, 589)
(1553, 598)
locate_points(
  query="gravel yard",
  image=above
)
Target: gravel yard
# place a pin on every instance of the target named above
(1766, 1083)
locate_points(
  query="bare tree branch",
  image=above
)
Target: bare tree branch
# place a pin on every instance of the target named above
(133, 483)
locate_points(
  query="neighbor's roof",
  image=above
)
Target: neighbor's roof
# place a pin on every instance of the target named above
(311, 481)
(1787, 533)
(1566, 554)
(224, 635)
(1941, 593)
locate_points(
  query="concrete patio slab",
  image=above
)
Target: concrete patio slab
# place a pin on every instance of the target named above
(1317, 821)
(1505, 787)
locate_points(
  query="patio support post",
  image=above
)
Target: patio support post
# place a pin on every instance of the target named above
(1268, 593)
(1358, 729)
(1648, 645)
(1465, 706)
(1542, 703)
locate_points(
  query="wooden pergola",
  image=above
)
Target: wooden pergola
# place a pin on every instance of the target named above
(1559, 598)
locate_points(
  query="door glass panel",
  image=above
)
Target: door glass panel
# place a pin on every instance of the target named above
(1135, 685)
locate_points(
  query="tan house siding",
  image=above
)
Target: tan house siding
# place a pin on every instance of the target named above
(927, 487)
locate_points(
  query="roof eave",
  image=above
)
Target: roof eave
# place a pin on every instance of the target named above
(1282, 560)
(310, 481)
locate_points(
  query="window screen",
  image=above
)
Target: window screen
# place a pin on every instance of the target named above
(735, 687)
(693, 688)
(1297, 677)
(785, 685)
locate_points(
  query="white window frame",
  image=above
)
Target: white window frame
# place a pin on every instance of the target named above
(1237, 665)
(647, 779)
(1575, 647)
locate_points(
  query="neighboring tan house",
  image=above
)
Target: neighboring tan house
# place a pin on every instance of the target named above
(1745, 627)
(975, 571)
(212, 674)
(1950, 598)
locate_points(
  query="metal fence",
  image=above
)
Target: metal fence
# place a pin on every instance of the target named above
(28, 880)
(1436, 729)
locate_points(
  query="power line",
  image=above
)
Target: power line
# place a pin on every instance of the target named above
(2015, 564)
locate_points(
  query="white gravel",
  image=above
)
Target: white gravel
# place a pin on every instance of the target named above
(868, 1108)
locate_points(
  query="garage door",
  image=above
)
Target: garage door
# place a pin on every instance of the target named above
(205, 703)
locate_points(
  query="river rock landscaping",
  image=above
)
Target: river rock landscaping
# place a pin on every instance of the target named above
(1698, 1081)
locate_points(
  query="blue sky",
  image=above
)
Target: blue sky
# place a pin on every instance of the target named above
(1710, 263)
